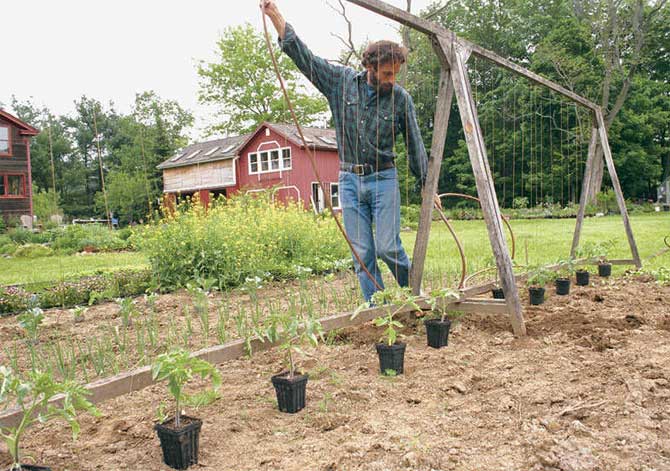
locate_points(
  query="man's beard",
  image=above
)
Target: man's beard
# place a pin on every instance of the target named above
(382, 88)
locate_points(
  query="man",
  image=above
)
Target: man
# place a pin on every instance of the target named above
(369, 110)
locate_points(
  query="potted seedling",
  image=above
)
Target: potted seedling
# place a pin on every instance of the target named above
(437, 329)
(537, 279)
(30, 321)
(496, 290)
(601, 251)
(562, 282)
(180, 435)
(32, 395)
(292, 330)
(391, 352)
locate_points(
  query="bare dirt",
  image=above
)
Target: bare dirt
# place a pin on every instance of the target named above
(587, 390)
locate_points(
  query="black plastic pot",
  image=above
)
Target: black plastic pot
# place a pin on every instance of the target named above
(604, 269)
(437, 332)
(582, 277)
(391, 357)
(290, 391)
(498, 293)
(180, 446)
(562, 286)
(536, 295)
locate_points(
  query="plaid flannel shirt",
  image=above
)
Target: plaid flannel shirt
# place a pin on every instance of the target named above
(366, 124)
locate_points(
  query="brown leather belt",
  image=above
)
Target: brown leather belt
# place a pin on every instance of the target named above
(365, 169)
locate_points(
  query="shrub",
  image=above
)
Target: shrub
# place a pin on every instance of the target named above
(33, 251)
(15, 299)
(89, 237)
(237, 239)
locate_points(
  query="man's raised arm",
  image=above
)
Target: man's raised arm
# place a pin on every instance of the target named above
(319, 71)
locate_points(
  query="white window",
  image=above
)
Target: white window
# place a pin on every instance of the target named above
(4, 140)
(335, 195)
(276, 160)
(192, 155)
(211, 151)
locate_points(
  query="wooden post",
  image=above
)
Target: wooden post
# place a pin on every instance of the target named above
(593, 145)
(607, 153)
(483, 179)
(442, 112)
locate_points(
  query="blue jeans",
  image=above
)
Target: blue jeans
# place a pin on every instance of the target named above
(372, 203)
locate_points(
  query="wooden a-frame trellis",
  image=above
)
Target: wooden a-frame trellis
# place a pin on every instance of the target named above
(454, 53)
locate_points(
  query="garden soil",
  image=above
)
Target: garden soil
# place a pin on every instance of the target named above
(588, 389)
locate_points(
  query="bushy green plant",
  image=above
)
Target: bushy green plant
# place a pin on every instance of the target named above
(15, 299)
(76, 238)
(539, 276)
(237, 239)
(392, 300)
(441, 297)
(293, 330)
(32, 395)
(33, 251)
(30, 322)
(178, 367)
(565, 268)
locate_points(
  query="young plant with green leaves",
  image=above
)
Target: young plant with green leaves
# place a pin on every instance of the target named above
(30, 321)
(392, 300)
(293, 329)
(31, 395)
(127, 309)
(178, 367)
(79, 314)
(539, 276)
(440, 298)
(565, 268)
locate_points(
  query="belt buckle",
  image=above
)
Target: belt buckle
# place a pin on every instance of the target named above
(358, 169)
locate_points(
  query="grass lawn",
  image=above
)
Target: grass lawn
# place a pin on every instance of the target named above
(548, 240)
(59, 267)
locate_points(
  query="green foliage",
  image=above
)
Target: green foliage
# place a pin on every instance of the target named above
(242, 82)
(33, 251)
(239, 238)
(86, 290)
(539, 276)
(566, 268)
(393, 300)
(32, 395)
(30, 322)
(607, 201)
(293, 329)
(178, 367)
(440, 297)
(46, 203)
(596, 250)
(91, 237)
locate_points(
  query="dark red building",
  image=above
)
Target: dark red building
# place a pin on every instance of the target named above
(272, 158)
(15, 180)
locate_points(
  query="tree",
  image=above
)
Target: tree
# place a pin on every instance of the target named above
(243, 86)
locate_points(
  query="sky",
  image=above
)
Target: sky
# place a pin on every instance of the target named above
(60, 50)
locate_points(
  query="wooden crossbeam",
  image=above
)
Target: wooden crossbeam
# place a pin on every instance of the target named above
(140, 378)
(447, 36)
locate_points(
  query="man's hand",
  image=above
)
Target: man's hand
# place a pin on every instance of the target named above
(269, 7)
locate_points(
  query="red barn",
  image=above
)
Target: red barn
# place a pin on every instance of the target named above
(15, 180)
(272, 158)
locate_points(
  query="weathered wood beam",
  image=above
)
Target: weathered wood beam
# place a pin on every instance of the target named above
(442, 112)
(586, 180)
(401, 16)
(604, 144)
(532, 76)
(484, 181)
(433, 29)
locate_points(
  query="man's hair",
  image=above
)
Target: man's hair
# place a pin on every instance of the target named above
(383, 52)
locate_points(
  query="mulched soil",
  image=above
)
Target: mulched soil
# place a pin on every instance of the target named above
(588, 389)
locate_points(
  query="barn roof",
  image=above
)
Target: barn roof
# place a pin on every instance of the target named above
(229, 147)
(25, 128)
